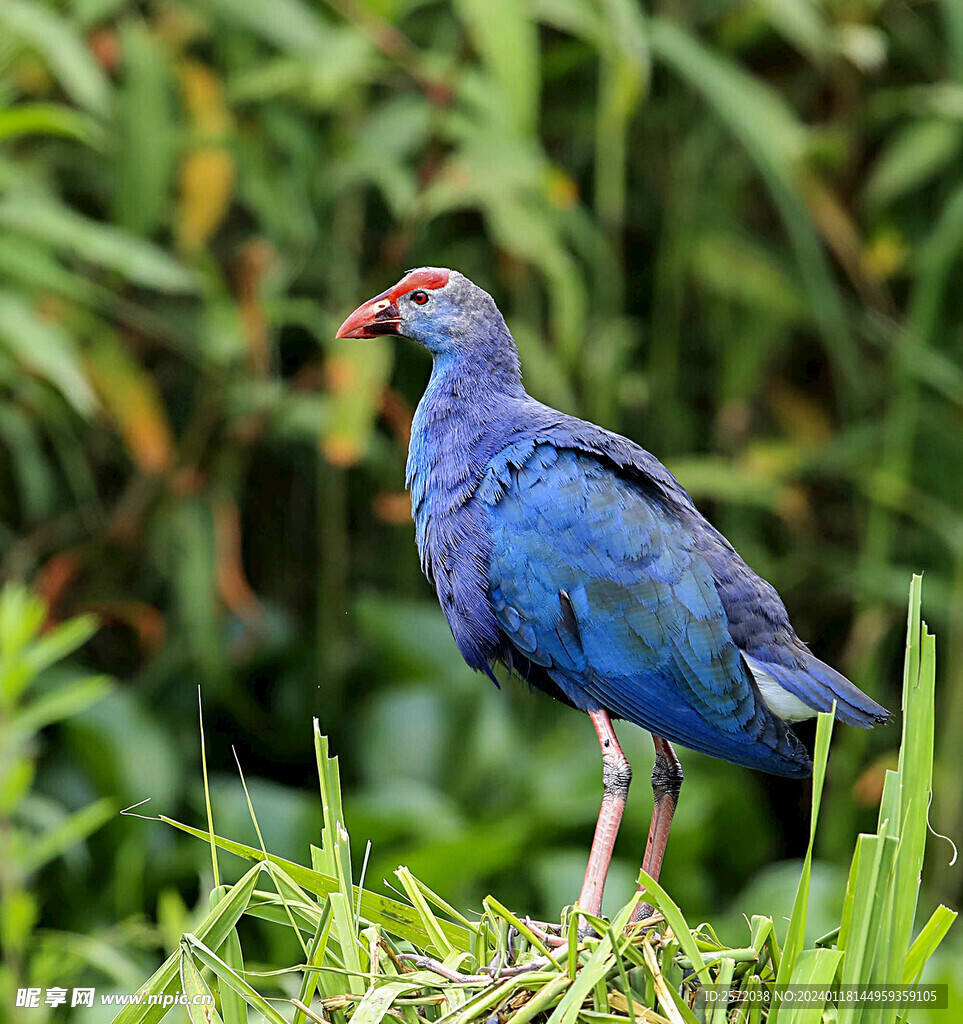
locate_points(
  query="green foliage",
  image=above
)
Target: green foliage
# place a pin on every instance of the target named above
(365, 956)
(35, 692)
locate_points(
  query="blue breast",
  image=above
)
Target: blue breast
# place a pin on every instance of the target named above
(446, 459)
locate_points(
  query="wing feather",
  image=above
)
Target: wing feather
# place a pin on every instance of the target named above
(597, 581)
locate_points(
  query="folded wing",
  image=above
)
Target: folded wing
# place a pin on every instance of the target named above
(601, 583)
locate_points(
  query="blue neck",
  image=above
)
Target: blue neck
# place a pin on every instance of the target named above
(461, 421)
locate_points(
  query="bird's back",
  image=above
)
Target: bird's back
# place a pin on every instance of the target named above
(603, 574)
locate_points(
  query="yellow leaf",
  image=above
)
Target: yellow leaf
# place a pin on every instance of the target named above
(803, 419)
(206, 189)
(204, 96)
(356, 376)
(129, 395)
(207, 172)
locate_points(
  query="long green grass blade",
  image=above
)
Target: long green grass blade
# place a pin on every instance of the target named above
(916, 780)
(378, 1000)
(336, 849)
(795, 937)
(233, 1008)
(228, 976)
(926, 943)
(316, 958)
(817, 967)
(215, 928)
(591, 973)
(439, 941)
(395, 917)
(656, 895)
(200, 1008)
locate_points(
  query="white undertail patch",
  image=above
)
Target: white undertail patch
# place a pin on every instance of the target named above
(782, 703)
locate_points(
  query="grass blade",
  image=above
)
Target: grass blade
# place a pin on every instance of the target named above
(194, 986)
(228, 976)
(215, 929)
(395, 917)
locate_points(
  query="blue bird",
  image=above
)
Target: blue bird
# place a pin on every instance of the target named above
(573, 557)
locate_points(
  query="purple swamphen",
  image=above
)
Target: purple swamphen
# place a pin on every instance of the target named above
(573, 557)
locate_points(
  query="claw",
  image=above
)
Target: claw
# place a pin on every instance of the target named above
(511, 972)
(496, 970)
(648, 918)
(552, 927)
(426, 963)
(548, 933)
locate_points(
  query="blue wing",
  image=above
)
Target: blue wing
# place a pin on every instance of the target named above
(756, 617)
(603, 585)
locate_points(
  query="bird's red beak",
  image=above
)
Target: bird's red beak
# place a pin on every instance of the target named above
(377, 316)
(381, 315)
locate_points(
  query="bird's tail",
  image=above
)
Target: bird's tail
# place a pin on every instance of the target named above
(818, 685)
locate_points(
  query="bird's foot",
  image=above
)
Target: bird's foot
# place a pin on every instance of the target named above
(642, 912)
(644, 919)
(496, 973)
(493, 972)
(549, 934)
(551, 927)
(426, 963)
(503, 964)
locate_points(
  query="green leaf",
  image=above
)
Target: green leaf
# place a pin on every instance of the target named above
(316, 957)
(915, 776)
(591, 973)
(813, 967)
(64, 52)
(656, 895)
(214, 929)
(43, 347)
(290, 25)
(505, 35)
(57, 643)
(28, 119)
(803, 24)
(395, 917)
(228, 976)
(926, 943)
(233, 1007)
(55, 705)
(953, 17)
(795, 937)
(135, 259)
(914, 155)
(439, 941)
(147, 132)
(194, 987)
(75, 828)
(335, 843)
(377, 1001)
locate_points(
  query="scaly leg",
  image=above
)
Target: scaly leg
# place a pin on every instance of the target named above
(616, 776)
(666, 784)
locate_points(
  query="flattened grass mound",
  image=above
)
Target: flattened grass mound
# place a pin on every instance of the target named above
(367, 956)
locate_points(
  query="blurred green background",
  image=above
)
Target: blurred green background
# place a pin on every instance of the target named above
(731, 231)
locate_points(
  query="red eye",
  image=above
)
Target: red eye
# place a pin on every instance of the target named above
(420, 297)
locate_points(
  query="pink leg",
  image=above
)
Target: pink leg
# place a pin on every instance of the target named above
(666, 784)
(616, 776)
